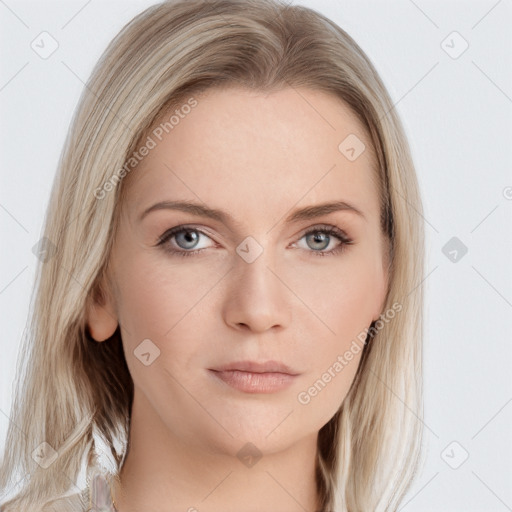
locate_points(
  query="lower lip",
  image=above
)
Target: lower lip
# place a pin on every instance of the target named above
(250, 382)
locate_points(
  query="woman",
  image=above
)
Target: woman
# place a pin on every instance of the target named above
(230, 297)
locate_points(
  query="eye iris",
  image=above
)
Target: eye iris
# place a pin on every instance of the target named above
(190, 236)
(320, 238)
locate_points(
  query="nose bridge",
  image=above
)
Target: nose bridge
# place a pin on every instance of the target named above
(252, 267)
(257, 298)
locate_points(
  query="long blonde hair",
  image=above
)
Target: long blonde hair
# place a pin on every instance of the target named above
(71, 391)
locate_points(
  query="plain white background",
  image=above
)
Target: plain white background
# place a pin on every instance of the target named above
(456, 107)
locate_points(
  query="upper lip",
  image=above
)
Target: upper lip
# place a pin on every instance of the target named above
(256, 367)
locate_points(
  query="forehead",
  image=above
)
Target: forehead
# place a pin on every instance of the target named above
(257, 152)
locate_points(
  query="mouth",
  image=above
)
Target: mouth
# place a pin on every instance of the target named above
(254, 377)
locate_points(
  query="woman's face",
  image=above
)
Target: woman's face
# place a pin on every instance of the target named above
(246, 284)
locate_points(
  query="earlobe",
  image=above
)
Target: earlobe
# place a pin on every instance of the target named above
(101, 318)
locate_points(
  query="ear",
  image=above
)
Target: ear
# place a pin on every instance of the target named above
(101, 317)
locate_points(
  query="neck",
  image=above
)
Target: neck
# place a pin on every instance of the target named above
(162, 473)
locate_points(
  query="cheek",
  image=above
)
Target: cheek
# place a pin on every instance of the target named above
(357, 288)
(169, 303)
(157, 295)
(341, 295)
(156, 303)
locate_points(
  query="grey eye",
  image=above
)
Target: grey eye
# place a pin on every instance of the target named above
(187, 238)
(318, 240)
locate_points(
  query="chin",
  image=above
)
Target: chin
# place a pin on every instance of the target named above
(267, 436)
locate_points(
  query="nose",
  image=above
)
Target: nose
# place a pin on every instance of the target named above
(256, 298)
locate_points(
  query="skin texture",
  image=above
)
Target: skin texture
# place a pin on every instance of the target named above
(258, 156)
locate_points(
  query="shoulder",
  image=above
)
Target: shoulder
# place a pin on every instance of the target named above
(98, 492)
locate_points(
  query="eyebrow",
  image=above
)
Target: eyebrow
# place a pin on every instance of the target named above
(306, 213)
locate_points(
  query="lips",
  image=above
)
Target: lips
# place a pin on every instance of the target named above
(256, 367)
(255, 377)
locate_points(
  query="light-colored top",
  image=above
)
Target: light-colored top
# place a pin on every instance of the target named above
(97, 497)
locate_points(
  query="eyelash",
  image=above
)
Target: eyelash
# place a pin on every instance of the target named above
(327, 229)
